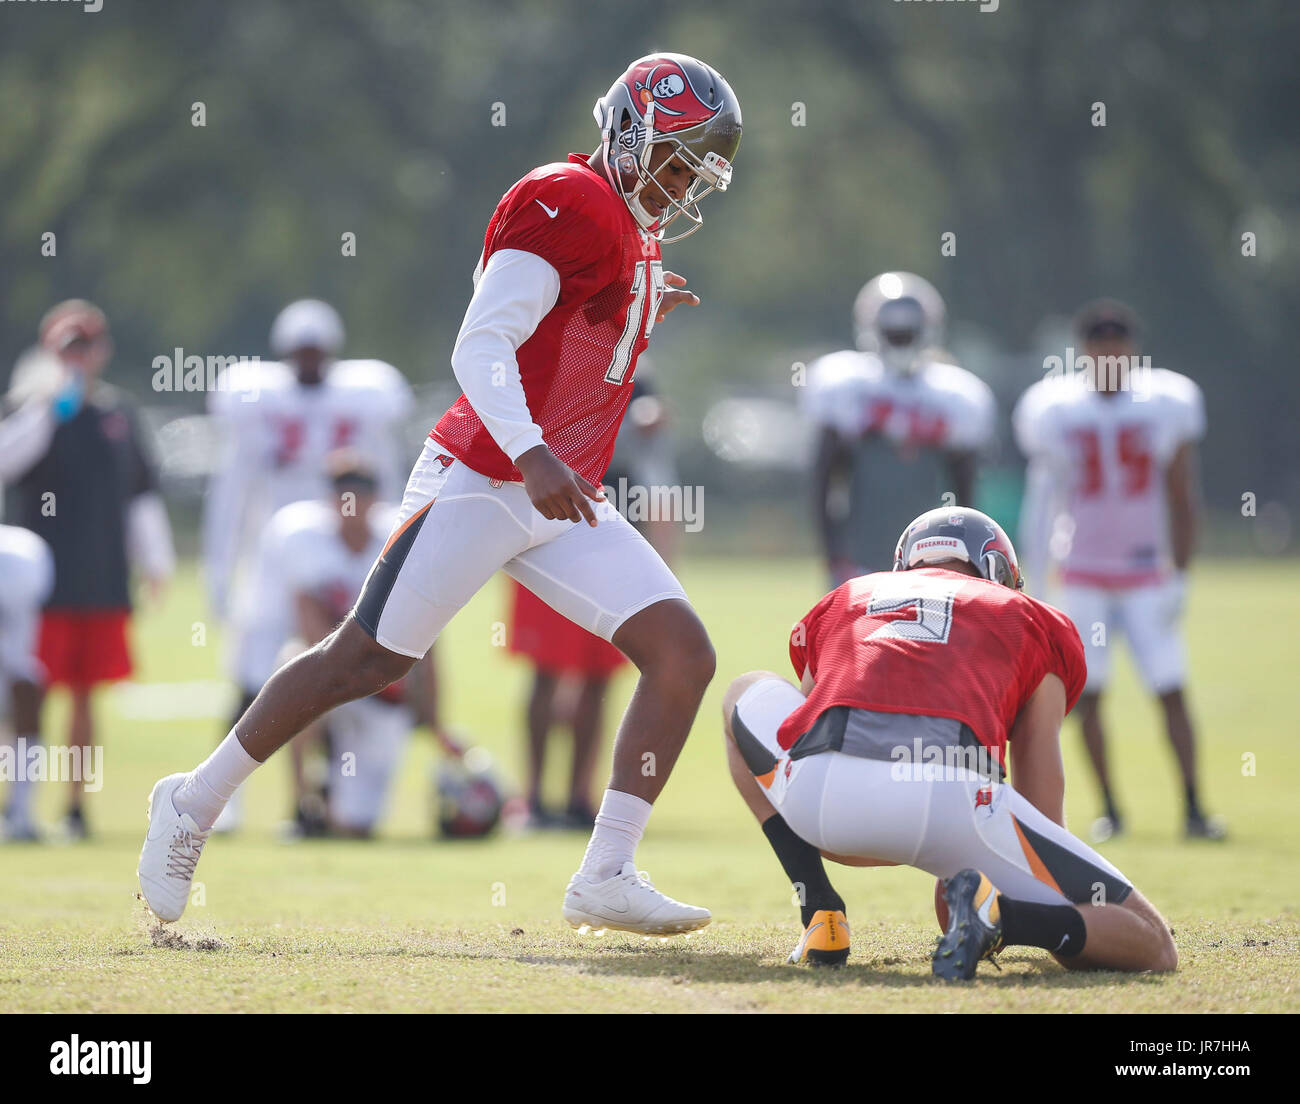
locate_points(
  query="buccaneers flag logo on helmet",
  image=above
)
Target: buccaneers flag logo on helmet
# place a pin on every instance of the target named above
(667, 85)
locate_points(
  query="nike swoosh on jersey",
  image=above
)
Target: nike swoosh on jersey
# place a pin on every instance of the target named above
(551, 212)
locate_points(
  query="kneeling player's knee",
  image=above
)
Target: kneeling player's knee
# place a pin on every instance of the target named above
(737, 687)
(1165, 958)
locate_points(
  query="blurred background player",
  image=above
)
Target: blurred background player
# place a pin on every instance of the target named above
(311, 564)
(278, 421)
(26, 576)
(80, 478)
(914, 685)
(573, 667)
(1112, 494)
(897, 424)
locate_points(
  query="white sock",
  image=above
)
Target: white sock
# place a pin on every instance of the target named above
(209, 786)
(619, 825)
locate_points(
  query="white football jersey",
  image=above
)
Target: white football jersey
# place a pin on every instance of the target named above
(940, 406)
(900, 433)
(1107, 456)
(276, 435)
(300, 552)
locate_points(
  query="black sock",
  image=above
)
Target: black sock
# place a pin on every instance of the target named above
(802, 863)
(1111, 811)
(1056, 928)
(1193, 805)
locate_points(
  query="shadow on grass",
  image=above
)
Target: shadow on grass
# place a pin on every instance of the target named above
(737, 968)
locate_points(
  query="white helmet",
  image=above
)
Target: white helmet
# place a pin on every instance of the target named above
(897, 316)
(307, 322)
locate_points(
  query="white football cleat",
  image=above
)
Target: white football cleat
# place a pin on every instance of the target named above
(628, 902)
(171, 850)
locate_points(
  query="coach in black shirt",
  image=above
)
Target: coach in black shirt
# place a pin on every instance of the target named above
(80, 478)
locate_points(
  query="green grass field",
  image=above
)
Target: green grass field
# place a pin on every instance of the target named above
(405, 924)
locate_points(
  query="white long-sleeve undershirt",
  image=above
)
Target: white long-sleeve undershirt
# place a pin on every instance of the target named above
(511, 296)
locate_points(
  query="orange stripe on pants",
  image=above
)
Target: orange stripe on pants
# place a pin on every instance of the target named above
(1036, 864)
(407, 524)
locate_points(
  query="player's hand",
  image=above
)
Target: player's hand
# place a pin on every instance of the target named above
(673, 299)
(555, 489)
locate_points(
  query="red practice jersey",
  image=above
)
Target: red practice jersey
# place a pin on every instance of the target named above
(936, 643)
(577, 367)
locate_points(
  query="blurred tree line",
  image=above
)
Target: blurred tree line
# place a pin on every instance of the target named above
(872, 128)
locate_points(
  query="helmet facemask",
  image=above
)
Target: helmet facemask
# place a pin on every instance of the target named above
(629, 150)
(900, 334)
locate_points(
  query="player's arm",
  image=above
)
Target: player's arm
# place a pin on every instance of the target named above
(1183, 492)
(229, 491)
(25, 436)
(832, 467)
(1040, 502)
(1035, 744)
(514, 293)
(149, 543)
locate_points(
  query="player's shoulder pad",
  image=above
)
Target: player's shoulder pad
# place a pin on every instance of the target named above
(1048, 394)
(837, 378)
(1066, 643)
(961, 383)
(371, 388)
(243, 385)
(564, 214)
(1175, 387)
(566, 187)
(309, 516)
(366, 375)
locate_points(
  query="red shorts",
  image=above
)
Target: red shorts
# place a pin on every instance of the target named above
(554, 643)
(82, 647)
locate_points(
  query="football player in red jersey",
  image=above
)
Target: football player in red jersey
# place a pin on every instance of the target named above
(891, 751)
(568, 288)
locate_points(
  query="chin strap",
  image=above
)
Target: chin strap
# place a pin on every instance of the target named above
(644, 218)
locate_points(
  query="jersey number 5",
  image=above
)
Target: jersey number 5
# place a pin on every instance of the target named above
(622, 359)
(928, 600)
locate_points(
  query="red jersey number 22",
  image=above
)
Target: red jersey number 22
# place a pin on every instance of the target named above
(636, 311)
